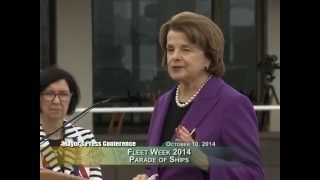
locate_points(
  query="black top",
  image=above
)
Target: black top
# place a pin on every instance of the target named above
(173, 118)
(55, 142)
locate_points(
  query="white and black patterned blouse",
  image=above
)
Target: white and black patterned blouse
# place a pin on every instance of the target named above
(51, 157)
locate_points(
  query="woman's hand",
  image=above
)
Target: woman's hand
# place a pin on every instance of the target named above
(198, 158)
(140, 177)
(183, 135)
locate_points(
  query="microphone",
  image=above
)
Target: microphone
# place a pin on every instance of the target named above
(80, 115)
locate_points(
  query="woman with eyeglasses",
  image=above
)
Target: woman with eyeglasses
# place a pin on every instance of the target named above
(59, 96)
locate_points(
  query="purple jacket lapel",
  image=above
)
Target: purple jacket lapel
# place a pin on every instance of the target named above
(158, 119)
(202, 104)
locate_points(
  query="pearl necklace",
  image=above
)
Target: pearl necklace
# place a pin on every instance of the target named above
(182, 105)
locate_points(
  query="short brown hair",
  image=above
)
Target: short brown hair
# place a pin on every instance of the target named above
(52, 74)
(201, 31)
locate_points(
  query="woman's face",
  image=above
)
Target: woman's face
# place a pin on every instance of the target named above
(186, 61)
(55, 100)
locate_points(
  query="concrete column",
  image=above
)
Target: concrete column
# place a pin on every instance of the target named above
(74, 47)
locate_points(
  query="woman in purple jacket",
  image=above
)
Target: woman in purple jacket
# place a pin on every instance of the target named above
(202, 107)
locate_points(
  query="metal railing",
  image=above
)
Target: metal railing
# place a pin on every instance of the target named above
(150, 109)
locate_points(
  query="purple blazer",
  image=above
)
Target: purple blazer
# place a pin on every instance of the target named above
(222, 115)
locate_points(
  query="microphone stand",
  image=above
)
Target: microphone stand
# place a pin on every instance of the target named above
(76, 118)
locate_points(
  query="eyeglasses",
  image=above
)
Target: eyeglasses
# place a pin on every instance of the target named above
(50, 96)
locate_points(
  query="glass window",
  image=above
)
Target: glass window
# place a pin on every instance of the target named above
(126, 54)
(126, 59)
(241, 45)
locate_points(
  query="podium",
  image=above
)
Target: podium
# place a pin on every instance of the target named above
(51, 175)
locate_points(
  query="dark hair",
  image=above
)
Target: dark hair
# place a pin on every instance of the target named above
(53, 74)
(201, 31)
